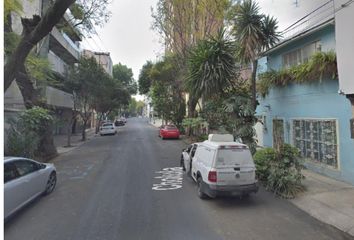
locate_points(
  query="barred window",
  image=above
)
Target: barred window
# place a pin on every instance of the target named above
(300, 55)
(317, 140)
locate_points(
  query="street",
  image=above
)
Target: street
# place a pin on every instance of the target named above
(105, 191)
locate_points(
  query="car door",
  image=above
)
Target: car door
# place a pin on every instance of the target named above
(13, 196)
(188, 163)
(32, 176)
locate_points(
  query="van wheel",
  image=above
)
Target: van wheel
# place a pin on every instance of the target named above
(201, 194)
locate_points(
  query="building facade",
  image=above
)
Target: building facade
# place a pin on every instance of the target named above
(103, 58)
(61, 49)
(312, 116)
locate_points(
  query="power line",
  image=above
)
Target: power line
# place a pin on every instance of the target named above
(308, 15)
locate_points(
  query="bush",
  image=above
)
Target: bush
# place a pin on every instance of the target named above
(26, 132)
(263, 159)
(280, 170)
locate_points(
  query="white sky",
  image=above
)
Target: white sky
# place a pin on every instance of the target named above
(131, 41)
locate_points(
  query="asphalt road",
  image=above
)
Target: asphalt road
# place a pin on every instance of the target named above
(105, 191)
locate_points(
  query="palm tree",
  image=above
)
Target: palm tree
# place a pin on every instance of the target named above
(254, 33)
(211, 66)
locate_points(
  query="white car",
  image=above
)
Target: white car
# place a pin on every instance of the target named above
(221, 166)
(187, 156)
(108, 129)
(24, 180)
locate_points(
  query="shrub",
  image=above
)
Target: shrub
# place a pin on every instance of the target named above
(280, 170)
(26, 132)
(262, 159)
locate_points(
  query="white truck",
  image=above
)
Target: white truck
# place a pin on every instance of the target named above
(222, 167)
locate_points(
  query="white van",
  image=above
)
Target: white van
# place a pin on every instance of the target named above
(221, 166)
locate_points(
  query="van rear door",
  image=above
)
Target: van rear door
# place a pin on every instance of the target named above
(234, 166)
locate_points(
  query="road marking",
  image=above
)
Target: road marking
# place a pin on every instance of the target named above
(171, 179)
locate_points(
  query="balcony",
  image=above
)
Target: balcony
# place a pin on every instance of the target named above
(58, 65)
(62, 46)
(58, 98)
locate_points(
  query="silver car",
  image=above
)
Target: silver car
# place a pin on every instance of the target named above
(24, 180)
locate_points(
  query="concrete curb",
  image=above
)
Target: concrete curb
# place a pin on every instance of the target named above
(90, 134)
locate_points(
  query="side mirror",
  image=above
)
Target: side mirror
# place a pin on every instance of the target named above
(42, 166)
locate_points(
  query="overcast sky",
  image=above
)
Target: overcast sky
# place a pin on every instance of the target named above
(131, 41)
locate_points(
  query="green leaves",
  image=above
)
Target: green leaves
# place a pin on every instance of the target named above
(211, 65)
(280, 170)
(320, 65)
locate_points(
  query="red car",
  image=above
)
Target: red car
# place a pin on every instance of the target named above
(169, 131)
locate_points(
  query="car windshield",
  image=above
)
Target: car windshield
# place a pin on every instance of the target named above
(171, 127)
(107, 125)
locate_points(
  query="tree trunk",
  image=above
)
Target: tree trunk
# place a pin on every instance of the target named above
(253, 84)
(98, 123)
(34, 30)
(47, 148)
(28, 92)
(84, 131)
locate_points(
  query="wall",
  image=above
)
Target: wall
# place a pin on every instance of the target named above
(345, 50)
(319, 99)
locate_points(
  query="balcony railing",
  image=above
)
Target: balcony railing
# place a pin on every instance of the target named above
(62, 45)
(58, 65)
(58, 98)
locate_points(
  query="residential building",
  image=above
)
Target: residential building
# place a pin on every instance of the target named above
(61, 48)
(103, 58)
(313, 116)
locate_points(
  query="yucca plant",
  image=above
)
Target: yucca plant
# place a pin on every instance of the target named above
(211, 65)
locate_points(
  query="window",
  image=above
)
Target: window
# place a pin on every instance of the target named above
(317, 140)
(25, 167)
(278, 132)
(301, 55)
(10, 172)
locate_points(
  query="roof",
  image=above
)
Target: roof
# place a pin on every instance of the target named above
(299, 36)
(218, 144)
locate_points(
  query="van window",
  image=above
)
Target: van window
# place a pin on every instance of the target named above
(205, 154)
(227, 157)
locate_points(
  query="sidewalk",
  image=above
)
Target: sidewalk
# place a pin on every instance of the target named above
(328, 200)
(60, 141)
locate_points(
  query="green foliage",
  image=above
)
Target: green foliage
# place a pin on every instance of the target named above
(262, 159)
(11, 40)
(39, 68)
(165, 91)
(11, 6)
(145, 78)
(280, 170)
(124, 75)
(253, 30)
(26, 132)
(320, 65)
(232, 112)
(211, 65)
(89, 13)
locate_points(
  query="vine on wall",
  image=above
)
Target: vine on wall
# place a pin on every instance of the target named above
(320, 65)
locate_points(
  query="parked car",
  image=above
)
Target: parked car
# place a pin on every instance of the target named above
(24, 180)
(119, 122)
(169, 131)
(221, 166)
(108, 128)
(187, 156)
(124, 120)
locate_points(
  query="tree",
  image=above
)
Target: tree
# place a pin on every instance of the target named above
(254, 33)
(211, 67)
(84, 82)
(167, 97)
(144, 78)
(36, 28)
(124, 75)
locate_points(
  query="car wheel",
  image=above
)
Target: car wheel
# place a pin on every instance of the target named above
(201, 194)
(52, 181)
